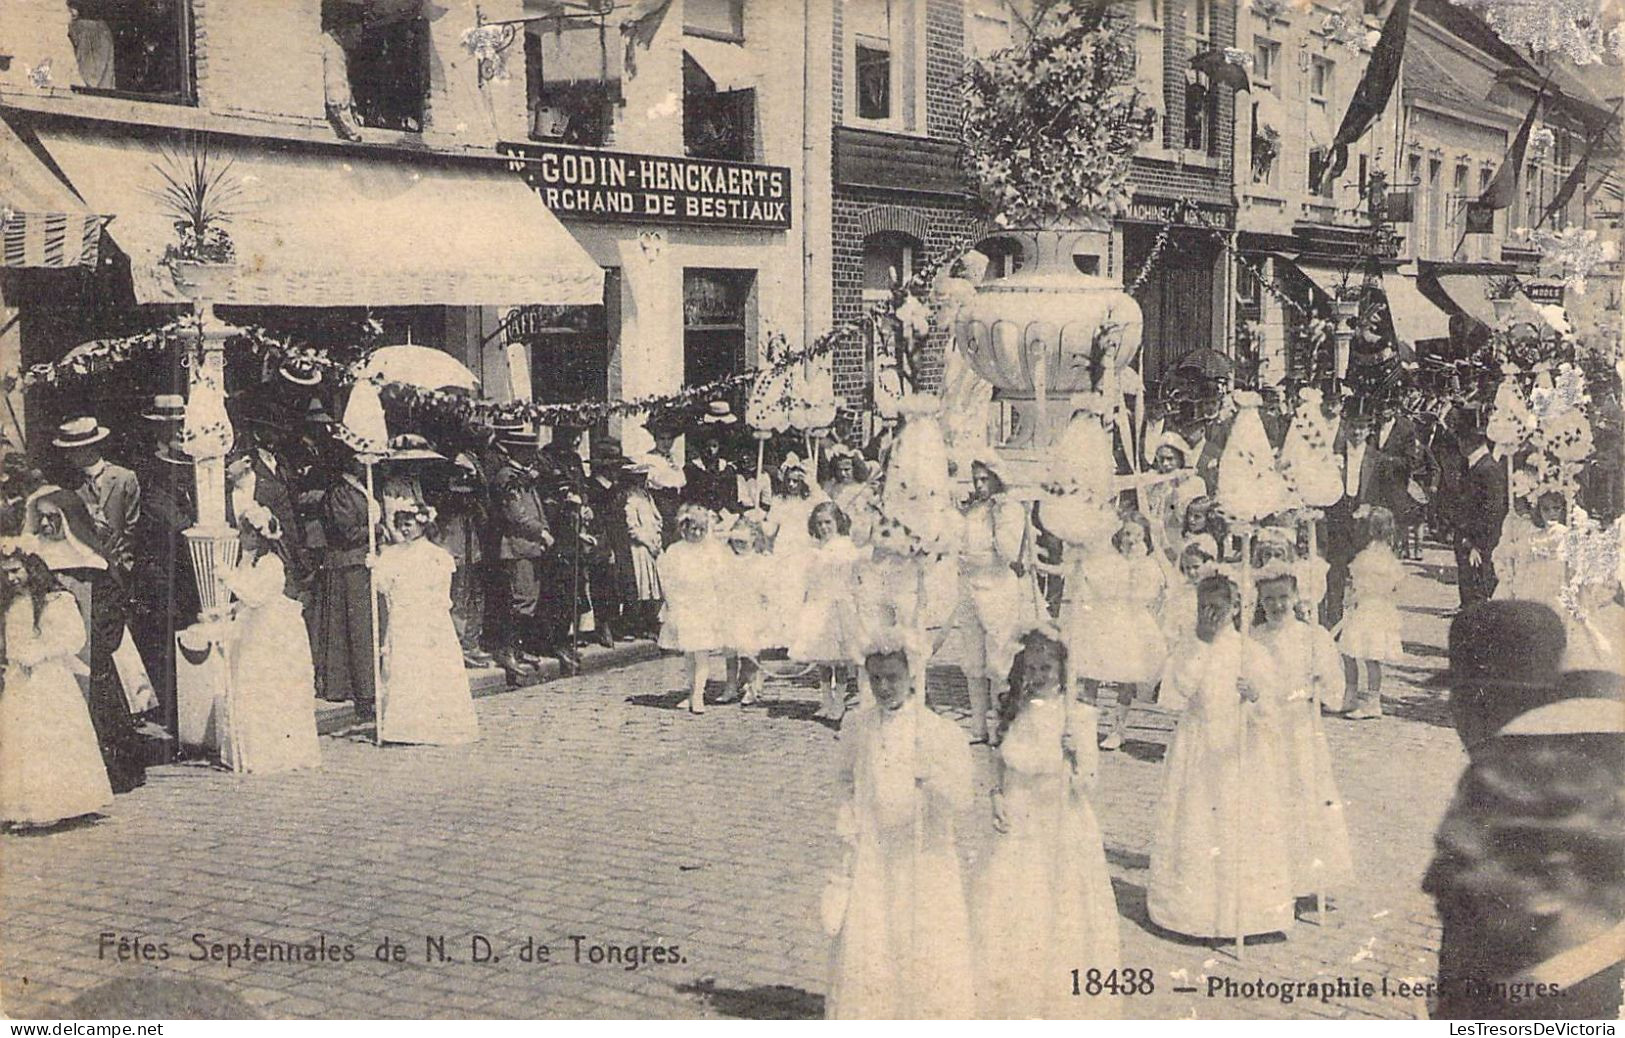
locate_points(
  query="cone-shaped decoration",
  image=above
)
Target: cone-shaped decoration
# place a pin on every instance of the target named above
(918, 492)
(1249, 486)
(1510, 418)
(816, 403)
(1081, 510)
(768, 409)
(1307, 462)
(363, 429)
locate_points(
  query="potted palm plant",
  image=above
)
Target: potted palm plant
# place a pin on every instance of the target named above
(201, 193)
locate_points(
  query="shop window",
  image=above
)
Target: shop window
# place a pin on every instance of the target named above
(719, 323)
(570, 348)
(572, 80)
(717, 124)
(140, 49)
(1320, 78)
(881, 85)
(384, 63)
(716, 19)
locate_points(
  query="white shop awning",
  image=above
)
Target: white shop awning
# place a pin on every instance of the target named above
(337, 228)
(1415, 317)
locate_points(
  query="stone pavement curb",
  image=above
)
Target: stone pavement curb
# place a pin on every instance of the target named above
(490, 681)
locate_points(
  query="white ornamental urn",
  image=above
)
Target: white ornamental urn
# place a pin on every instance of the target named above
(1050, 331)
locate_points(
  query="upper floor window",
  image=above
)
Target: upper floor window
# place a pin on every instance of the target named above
(1201, 115)
(888, 262)
(1201, 12)
(717, 123)
(572, 80)
(142, 49)
(1318, 158)
(1266, 59)
(718, 19)
(382, 59)
(1320, 78)
(880, 56)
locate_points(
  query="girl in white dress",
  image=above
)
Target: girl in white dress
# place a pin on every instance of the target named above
(1113, 634)
(50, 764)
(990, 592)
(1308, 666)
(1222, 819)
(425, 696)
(1369, 634)
(273, 681)
(1044, 904)
(898, 912)
(1178, 616)
(693, 620)
(817, 633)
(753, 623)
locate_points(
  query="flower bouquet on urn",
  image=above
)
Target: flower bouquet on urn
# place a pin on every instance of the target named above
(1307, 462)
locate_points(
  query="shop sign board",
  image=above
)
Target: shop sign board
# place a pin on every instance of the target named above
(1181, 212)
(584, 184)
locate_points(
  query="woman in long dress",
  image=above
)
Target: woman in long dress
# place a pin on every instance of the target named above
(1221, 827)
(273, 681)
(50, 765)
(1044, 903)
(902, 936)
(425, 696)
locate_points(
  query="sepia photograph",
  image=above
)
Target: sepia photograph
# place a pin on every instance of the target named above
(812, 509)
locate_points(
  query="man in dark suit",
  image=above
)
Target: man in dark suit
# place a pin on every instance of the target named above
(523, 539)
(1376, 471)
(1477, 517)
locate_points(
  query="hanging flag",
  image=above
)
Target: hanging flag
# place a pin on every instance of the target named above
(1372, 94)
(1577, 176)
(1504, 188)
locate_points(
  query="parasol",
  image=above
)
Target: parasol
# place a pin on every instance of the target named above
(422, 366)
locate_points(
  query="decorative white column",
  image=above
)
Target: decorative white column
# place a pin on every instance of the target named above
(207, 436)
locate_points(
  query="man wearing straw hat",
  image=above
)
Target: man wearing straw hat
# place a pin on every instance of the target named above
(111, 492)
(112, 496)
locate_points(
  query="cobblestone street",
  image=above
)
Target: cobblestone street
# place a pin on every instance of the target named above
(596, 807)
